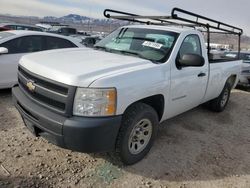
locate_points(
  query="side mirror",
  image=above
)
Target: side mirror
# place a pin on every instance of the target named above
(191, 60)
(3, 50)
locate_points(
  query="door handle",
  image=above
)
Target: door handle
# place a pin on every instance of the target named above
(202, 74)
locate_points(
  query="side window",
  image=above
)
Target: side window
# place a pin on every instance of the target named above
(31, 44)
(57, 43)
(190, 45)
(18, 27)
(247, 57)
(12, 46)
(24, 45)
(12, 27)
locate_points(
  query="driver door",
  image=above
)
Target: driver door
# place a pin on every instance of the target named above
(188, 84)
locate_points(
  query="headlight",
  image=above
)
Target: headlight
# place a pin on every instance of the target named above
(95, 102)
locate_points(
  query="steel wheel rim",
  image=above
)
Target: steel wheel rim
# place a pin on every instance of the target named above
(225, 98)
(140, 136)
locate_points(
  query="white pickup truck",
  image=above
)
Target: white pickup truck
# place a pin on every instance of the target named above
(114, 96)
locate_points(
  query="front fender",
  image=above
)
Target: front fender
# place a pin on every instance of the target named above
(137, 84)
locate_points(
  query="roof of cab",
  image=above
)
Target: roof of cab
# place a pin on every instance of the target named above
(160, 27)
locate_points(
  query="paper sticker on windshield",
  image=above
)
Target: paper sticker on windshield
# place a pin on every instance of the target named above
(152, 44)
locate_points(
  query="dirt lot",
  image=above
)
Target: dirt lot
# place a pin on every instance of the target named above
(196, 149)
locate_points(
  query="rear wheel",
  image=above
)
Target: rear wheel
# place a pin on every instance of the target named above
(137, 133)
(218, 104)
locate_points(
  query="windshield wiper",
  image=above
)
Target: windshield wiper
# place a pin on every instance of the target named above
(127, 52)
(102, 48)
(121, 52)
(133, 53)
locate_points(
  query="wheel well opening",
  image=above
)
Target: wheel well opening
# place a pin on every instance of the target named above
(231, 80)
(157, 102)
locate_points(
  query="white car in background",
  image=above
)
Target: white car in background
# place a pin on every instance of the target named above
(15, 44)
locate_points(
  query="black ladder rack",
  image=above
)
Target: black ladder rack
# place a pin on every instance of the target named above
(179, 17)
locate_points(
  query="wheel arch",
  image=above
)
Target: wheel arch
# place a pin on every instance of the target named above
(157, 102)
(232, 80)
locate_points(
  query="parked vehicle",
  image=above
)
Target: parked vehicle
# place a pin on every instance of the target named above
(67, 31)
(114, 96)
(244, 79)
(14, 26)
(50, 26)
(3, 29)
(83, 33)
(90, 41)
(15, 44)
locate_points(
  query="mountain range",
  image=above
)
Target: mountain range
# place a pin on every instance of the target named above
(78, 19)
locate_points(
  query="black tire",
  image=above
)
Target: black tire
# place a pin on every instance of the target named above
(133, 115)
(218, 104)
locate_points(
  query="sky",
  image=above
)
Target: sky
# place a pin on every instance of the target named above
(232, 12)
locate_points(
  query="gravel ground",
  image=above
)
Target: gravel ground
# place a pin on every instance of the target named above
(196, 149)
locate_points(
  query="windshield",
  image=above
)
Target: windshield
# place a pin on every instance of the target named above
(154, 45)
(4, 35)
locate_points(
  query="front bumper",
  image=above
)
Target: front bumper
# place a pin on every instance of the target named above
(75, 133)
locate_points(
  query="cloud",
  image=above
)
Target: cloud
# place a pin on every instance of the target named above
(125, 5)
(37, 8)
(92, 8)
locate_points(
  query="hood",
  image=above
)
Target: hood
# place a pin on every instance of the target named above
(79, 67)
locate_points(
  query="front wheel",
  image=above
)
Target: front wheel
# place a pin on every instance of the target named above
(218, 104)
(137, 133)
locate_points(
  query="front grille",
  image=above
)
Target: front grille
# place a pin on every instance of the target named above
(53, 95)
(46, 100)
(53, 87)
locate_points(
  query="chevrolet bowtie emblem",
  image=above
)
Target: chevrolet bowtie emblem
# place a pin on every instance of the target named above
(30, 85)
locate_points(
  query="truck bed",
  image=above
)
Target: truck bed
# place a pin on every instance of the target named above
(220, 71)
